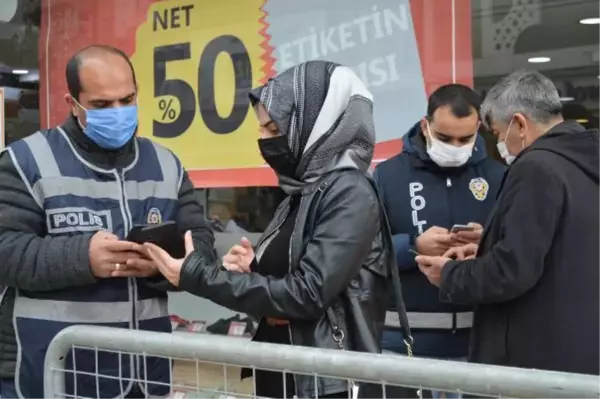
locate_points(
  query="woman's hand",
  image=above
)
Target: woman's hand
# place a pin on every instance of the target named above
(240, 257)
(169, 267)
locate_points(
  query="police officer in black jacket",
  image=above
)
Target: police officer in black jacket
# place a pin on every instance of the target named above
(442, 177)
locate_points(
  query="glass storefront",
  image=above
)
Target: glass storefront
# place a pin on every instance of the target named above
(557, 38)
(402, 49)
(19, 71)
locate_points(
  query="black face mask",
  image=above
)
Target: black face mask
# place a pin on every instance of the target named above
(277, 153)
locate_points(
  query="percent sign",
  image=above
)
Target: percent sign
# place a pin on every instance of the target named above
(167, 108)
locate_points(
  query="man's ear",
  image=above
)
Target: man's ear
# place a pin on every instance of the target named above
(72, 105)
(424, 126)
(522, 124)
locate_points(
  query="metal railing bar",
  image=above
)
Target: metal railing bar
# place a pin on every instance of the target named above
(392, 369)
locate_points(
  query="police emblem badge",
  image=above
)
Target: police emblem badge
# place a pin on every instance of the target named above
(154, 216)
(479, 187)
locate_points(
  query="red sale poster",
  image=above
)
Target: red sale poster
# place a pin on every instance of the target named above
(195, 62)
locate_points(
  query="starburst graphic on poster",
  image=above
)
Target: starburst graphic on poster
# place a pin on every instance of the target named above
(196, 64)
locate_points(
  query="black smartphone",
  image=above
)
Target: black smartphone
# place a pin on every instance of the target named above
(165, 235)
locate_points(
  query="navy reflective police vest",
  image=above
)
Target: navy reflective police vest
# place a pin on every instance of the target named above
(78, 197)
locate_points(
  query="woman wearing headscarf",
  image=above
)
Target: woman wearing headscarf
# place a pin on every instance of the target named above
(318, 277)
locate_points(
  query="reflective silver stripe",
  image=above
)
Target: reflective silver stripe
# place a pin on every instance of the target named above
(169, 166)
(53, 184)
(45, 161)
(89, 312)
(152, 189)
(2, 293)
(432, 321)
(34, 195)
(63, 185)
(42, 154)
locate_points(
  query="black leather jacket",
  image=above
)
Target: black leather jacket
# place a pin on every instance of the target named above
(338, 268)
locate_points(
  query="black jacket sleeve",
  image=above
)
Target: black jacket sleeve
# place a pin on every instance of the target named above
(189, 217)
(30, 259)
(345, 226)
(528, 213)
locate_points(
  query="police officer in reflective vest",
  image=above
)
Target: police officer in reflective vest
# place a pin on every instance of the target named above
(68, 198)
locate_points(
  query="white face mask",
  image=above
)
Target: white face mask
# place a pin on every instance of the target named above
(446, 155)
(503, 149)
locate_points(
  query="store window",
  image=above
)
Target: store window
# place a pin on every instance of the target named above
(240, 210)
(19, 70)
(195, 68)
(559, 38)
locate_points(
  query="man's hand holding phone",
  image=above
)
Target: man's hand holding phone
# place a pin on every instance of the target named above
(165, 235)
(109, 255)
(468, 234)
(434, 241)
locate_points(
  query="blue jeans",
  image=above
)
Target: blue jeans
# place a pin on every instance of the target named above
(7, 389)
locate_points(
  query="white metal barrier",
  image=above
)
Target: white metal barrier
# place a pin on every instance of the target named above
(229, 352)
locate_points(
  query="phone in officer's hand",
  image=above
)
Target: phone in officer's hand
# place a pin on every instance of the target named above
(165, 235)
(412, 251)
(461, 227)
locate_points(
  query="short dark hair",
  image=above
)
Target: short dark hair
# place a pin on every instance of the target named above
(74, 64)
(461, 99)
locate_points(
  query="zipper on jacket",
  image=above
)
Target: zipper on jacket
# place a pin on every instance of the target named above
(126, 213)
(132, 289)
(448, 202)
(449, 184)
(265, 243)
(262, 245)
(289, 271)
(320, 191)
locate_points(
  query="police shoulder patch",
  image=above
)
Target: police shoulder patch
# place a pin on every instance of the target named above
(479, 188)
(154, 216)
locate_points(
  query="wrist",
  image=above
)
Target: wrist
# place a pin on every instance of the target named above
(254, 265)
(446, 270)
(191, 271)
(84, 256)
(414, 241)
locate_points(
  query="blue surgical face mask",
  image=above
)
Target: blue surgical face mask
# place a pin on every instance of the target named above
(110, 128)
